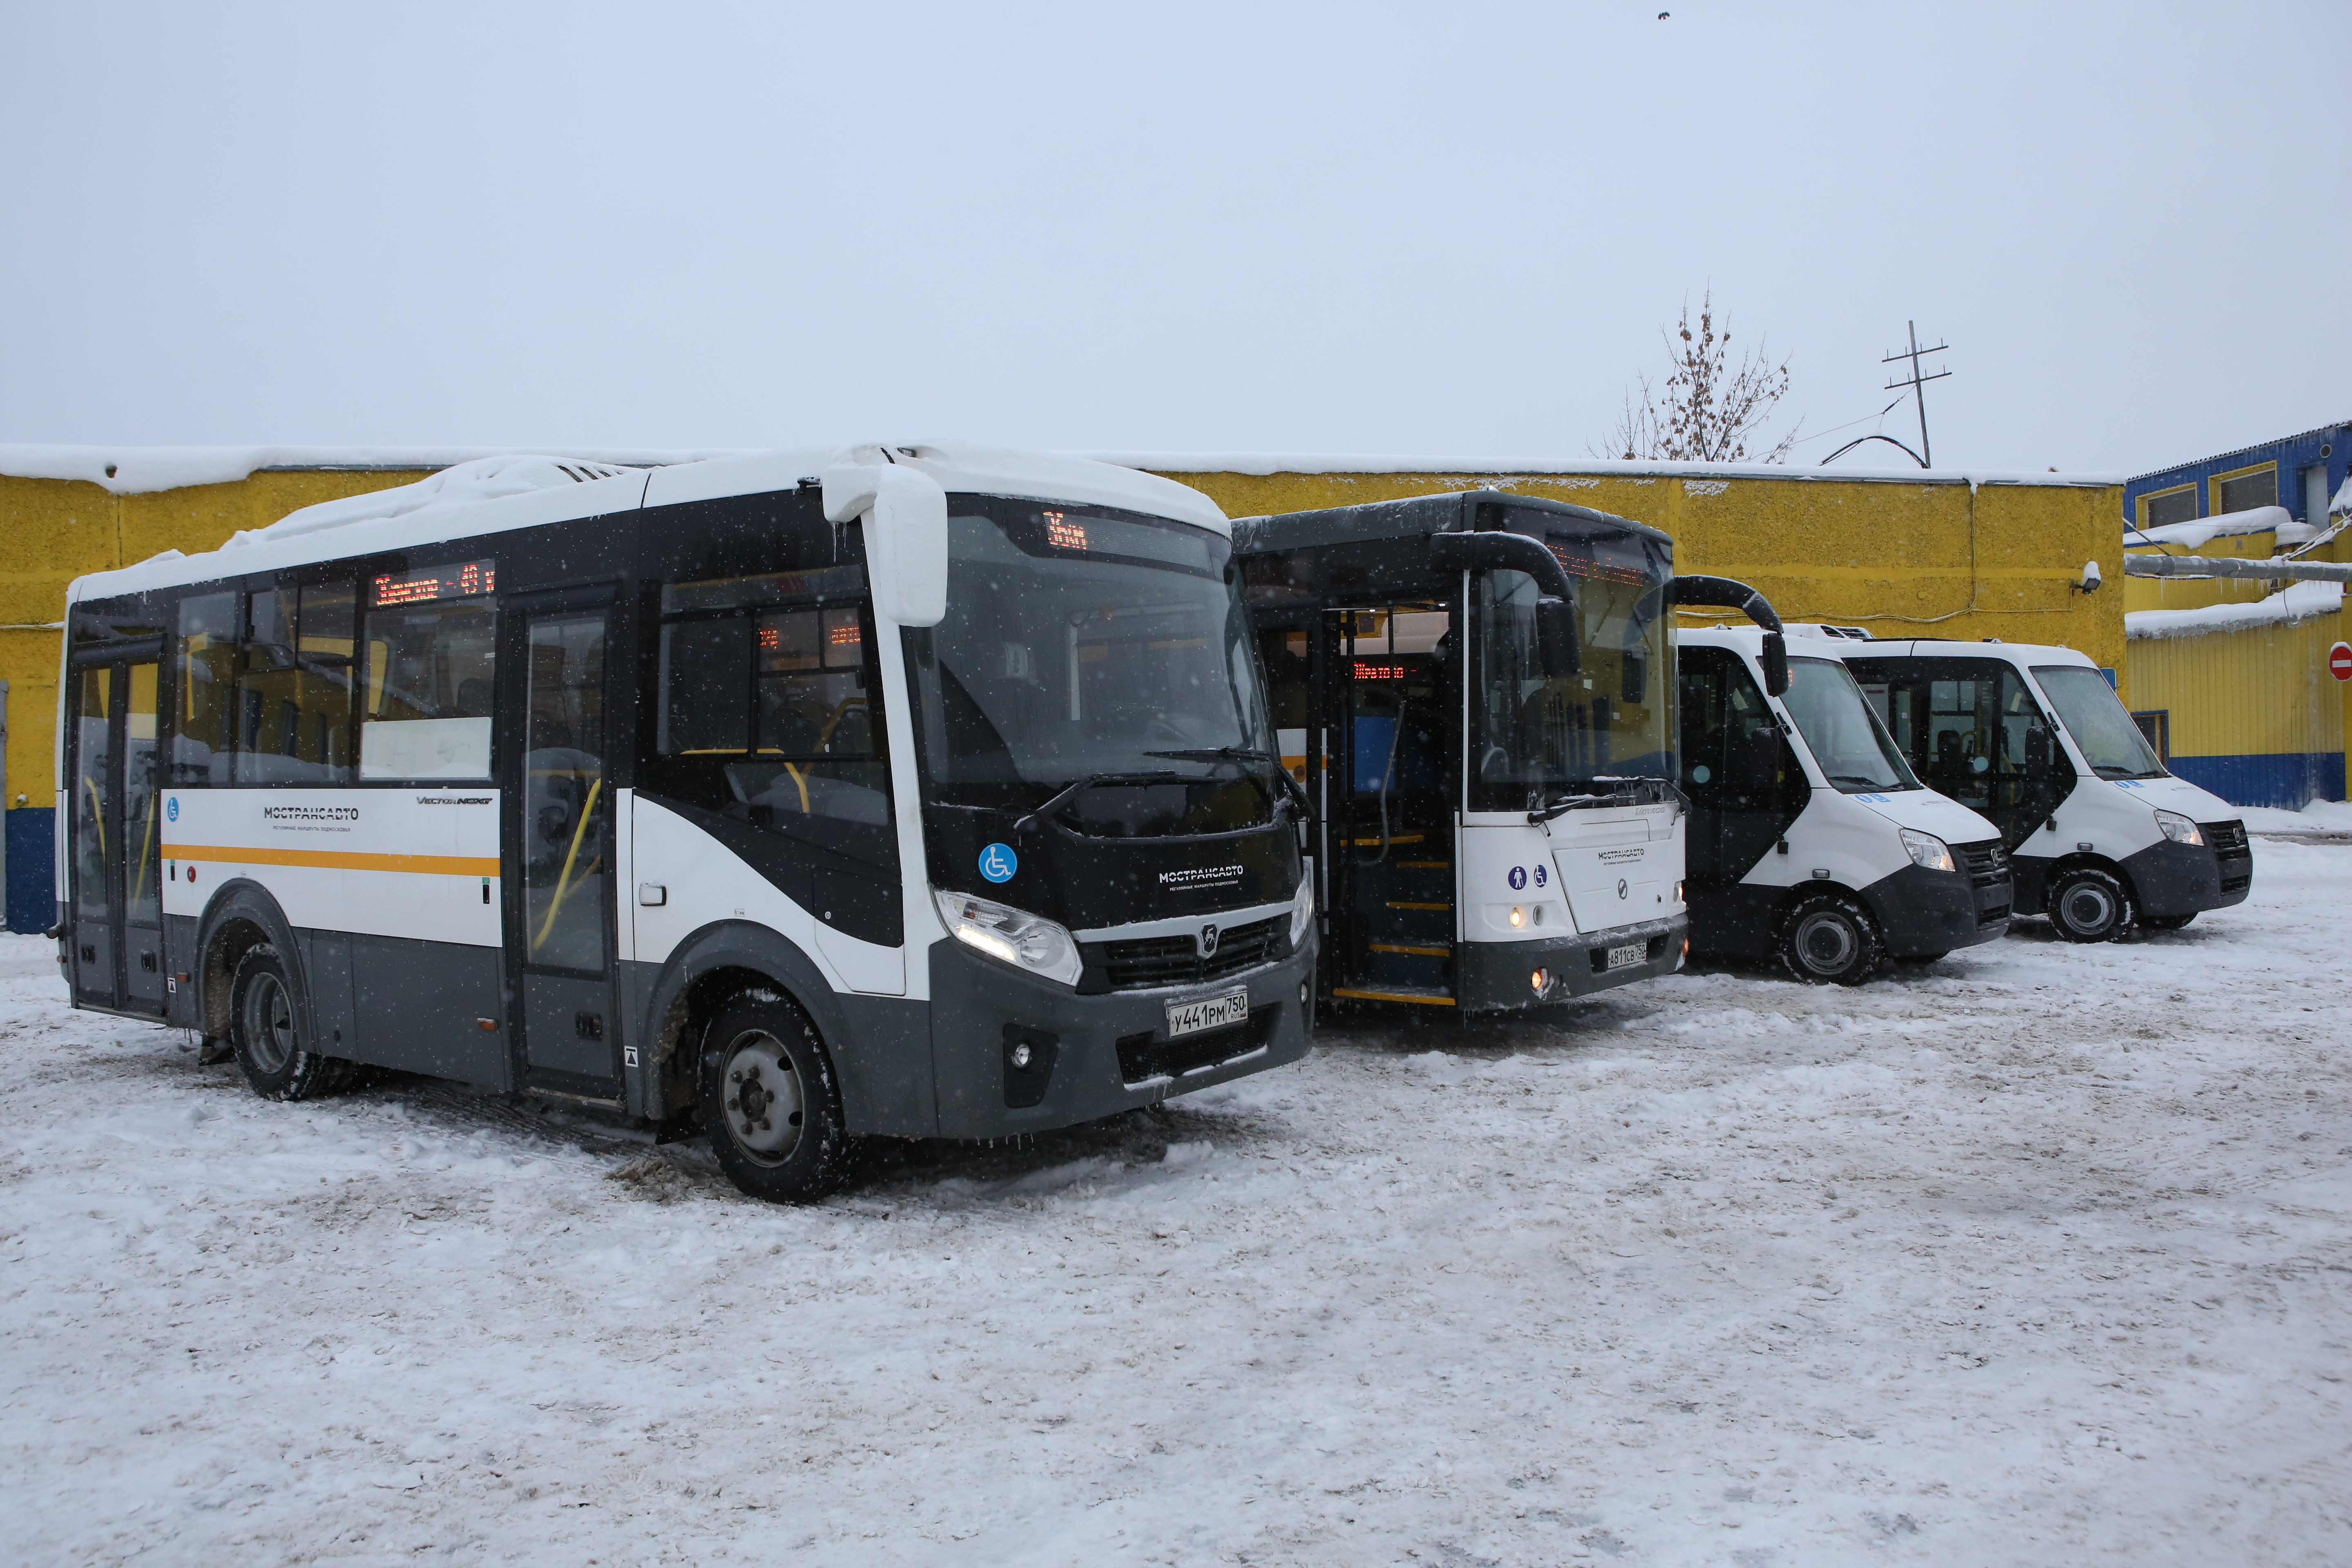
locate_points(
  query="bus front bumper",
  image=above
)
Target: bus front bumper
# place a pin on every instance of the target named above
(1500, 976)
(1092, 1055)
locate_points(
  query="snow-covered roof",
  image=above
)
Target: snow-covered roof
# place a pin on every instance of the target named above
(2221, 525)
(494, 495)
(2297, 602)
(1264, 463)
(139, 470)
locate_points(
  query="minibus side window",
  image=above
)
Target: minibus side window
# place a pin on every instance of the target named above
(293, 720)
(430, 674)
(208, 655)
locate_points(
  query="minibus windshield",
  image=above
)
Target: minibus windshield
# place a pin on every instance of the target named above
(1855, 751)
(1534, 739)
(1082, 644)
(2098, 719)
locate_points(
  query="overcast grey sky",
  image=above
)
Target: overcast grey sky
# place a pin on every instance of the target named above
(1264, 228)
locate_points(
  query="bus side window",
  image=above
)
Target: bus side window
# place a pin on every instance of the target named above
(294, 698)
(431, 668)
(205, 737)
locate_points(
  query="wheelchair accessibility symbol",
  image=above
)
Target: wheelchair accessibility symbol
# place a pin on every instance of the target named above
(998, 862)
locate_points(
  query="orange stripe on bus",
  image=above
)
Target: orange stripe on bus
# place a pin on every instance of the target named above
(339, 861)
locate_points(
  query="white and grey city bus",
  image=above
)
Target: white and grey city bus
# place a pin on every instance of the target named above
(2033, 737)
(1811, 838)
(923, 791)
(1477, 692)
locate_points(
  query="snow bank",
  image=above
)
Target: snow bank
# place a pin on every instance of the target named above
(485, 479)
(2300, 602)
(2222, 525)
(140, 471)
(2321, 817)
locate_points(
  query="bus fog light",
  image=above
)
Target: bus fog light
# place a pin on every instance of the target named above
(1538, 980)
(1022, 1055)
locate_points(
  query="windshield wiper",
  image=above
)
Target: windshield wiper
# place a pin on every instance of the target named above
(1071, 792)
(1292, 789)
(1643, 791)
(1858, 779)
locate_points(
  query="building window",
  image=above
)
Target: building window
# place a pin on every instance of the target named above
(2176, 505)
(2156, 723)
(2246, 488)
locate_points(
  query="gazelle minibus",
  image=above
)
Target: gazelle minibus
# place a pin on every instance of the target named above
(1477, 691)
(2103, 837)
(924, 791)
(1811, 839)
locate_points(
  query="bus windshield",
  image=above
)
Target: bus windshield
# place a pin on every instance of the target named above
(2099, 722)
(1856, 753)
(1082, 644)
(1535, 739)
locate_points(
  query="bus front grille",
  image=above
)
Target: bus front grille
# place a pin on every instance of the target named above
(1146, 964)
(1986, 865)
(2236, 856)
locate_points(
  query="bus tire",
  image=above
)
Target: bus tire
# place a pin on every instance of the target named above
(266, 1031)
(771, 1103)
(2090, 905)
(1830, 939)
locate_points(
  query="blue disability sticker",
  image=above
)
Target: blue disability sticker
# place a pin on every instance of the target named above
(998, 862)
(171, 808)
(1541, 877)
(1519, 876)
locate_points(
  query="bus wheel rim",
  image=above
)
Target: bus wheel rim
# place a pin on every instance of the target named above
(1839, 950)
(762, 1098)
(269, 1024)
(2088, 908)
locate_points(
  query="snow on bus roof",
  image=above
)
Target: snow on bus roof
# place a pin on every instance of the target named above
(494, 495)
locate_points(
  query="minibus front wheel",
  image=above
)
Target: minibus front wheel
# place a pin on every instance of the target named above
(1830, 939)
(771, 1103)
(2088, 904)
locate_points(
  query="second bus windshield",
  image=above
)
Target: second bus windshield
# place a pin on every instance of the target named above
(1855, 751)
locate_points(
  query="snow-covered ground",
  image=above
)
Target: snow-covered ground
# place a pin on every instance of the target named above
(2041, 1255)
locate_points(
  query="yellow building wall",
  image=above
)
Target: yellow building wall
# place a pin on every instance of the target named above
(1941, 559)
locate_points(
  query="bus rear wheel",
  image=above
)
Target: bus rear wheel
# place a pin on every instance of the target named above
(771, 1103)
(2090, 905)
(1830, 939)
(266, 1031)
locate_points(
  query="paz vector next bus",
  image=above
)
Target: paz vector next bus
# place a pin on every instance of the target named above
(1477, 692)
(924, 791)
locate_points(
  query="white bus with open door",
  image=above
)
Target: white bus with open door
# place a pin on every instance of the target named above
(923, 791)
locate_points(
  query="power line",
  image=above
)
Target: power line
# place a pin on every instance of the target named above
(1917, 384)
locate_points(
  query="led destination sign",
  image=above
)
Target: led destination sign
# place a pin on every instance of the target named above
(463, 580)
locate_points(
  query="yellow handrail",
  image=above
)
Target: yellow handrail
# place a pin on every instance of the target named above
(97, 814)
(563, 882)
(146, 851)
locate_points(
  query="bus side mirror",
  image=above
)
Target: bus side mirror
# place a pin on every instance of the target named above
(2037, 751)
(1555, 640)
(905, 537)
(1776, 664)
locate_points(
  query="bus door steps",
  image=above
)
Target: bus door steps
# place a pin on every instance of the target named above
(1414, 995)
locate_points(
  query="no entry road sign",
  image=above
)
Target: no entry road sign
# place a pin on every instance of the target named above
(2339, 661)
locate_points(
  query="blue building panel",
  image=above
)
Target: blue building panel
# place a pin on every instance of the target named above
(2290, 780)
(2303, 468)
(32, 901)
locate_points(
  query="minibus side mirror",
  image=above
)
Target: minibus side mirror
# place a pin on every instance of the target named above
(2037, 751)
(906, 516)
(1776, 664)
(1556, 639)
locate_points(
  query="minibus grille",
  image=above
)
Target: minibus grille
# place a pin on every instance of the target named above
(1987, 866)
(1147, 963)
(2229, 844)
(1143, 1057)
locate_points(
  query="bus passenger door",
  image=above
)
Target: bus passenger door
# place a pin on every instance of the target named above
(1392, 804)
(557, 845)
(117, 920)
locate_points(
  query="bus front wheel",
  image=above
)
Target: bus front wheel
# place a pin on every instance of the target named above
(2090, 905)
(770, 1102)
(267, 1032)
(1830, 939)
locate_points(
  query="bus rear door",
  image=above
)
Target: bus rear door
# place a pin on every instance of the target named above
(117, 952)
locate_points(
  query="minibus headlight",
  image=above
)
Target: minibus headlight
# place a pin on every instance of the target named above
(1302, 911)
(2179, 828)
(1927, 850)
(1010, 935)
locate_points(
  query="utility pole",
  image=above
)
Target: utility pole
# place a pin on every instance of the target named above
(1917, 386)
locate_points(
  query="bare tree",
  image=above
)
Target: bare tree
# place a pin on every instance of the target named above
(1709, 411)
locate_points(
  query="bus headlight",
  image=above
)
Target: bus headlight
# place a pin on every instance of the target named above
(2179, 828)
(1302, 911)
(1927, 850)
(1010, 935)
